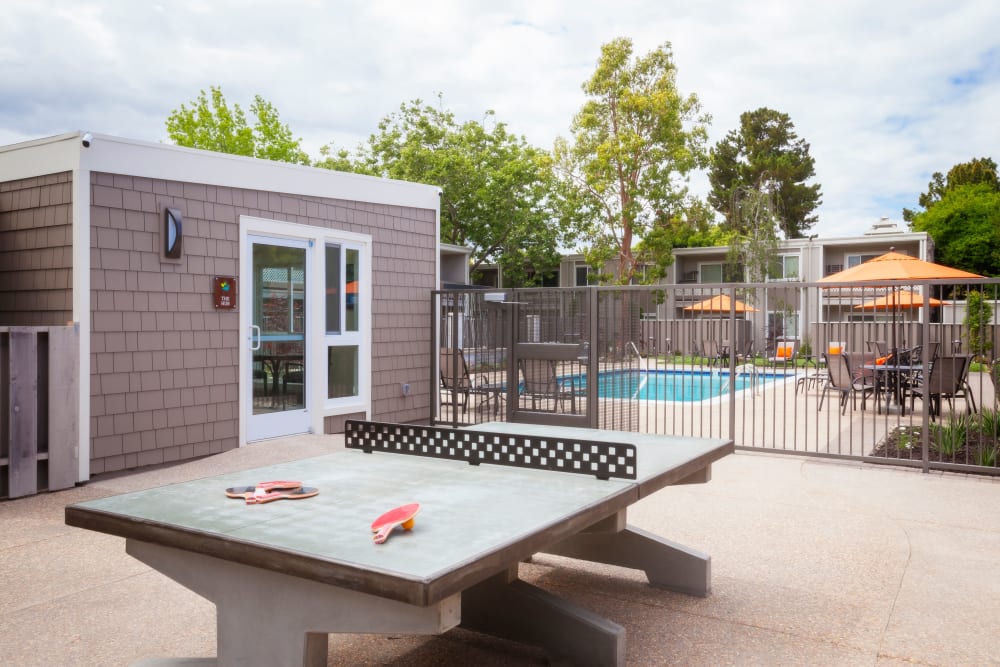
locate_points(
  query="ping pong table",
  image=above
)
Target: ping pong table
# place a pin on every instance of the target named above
(283, 575)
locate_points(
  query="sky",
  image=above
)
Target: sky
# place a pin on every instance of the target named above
(885, 93)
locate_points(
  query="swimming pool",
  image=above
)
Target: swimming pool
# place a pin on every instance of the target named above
(672, 385)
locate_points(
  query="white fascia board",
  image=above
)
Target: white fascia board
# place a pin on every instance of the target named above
(40, 157)
(150, 160)
(130, 157)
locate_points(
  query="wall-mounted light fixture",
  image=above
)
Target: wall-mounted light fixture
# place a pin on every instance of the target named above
(173, 233)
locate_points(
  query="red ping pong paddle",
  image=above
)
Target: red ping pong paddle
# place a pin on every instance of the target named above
(301, 492)
(261, 488)
(399, 516)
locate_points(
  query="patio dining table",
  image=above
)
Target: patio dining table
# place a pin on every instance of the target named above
(891, 376)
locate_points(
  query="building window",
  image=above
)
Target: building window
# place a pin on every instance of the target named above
(785, 267)
(582, 275)
(782, 324)
(342, 371)
(720, 272)
(854, 260)
(343, 338)
(710, 273)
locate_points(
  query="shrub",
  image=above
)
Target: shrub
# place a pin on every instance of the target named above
(949, 438)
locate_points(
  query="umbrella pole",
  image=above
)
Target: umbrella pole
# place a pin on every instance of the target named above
(896, 388)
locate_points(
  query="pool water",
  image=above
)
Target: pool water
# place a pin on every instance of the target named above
(684, 386)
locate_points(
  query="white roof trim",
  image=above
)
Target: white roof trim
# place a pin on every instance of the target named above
(131, 157)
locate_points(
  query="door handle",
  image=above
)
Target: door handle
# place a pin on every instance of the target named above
(254, 337)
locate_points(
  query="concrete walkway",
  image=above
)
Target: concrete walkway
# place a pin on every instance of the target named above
(814, 562)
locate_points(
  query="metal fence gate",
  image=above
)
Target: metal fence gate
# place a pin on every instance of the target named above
(747, 362)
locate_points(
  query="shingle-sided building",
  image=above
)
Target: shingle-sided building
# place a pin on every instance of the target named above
(220, 299)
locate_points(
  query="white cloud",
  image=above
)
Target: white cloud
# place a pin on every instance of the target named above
(884, 93)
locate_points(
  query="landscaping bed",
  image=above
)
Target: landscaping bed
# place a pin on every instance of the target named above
(966, 439)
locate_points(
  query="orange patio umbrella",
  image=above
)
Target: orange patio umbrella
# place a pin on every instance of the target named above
(895, 267)
(720, 303)
(904, 298)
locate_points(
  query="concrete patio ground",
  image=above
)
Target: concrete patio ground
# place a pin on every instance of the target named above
(814, 562)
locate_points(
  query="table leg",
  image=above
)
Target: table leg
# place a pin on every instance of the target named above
(269, 618)
(505, 606)
(667, 564)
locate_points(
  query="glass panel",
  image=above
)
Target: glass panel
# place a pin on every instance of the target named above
(351, 273)
(278, 310)
(791, 266)
(342, 371)
(333, 289)
(711, 273)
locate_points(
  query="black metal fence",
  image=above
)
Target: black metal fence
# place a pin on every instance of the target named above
(836, 370)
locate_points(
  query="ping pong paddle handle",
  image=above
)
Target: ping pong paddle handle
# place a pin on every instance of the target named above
(383, 533)
(257, 498)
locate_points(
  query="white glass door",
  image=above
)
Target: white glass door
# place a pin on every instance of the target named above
(277, 338)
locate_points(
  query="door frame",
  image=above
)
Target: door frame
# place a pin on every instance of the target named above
(317, 406)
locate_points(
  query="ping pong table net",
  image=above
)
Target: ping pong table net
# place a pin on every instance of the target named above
(604, 460)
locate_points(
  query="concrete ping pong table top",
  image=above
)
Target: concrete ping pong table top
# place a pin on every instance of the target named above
(312, 564)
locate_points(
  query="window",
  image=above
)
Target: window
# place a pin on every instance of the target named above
(720, 272)
(710, 273)
(643, 274)
(582, 275)
(785, 267)
(782, 324)
(343, 314)
(854, 260)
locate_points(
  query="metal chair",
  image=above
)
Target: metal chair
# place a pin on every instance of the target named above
(455, 378)
(946, 381)
(541, 383)
(843, 380)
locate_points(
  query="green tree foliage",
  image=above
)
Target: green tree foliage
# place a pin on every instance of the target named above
(978, 314)
(765, 154)
(753, 243)
(211, 124)
(634, 141)
(977, 170)
(965, 226)
(496, 188)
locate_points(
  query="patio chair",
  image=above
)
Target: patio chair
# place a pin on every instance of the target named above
(785, 352)
(746, 353)
(715, 353)
(879, 348)
(541, 383)
(946, 380)
(455, 378)
(842, 379)
(294, 375)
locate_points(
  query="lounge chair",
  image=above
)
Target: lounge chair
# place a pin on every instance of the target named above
(785, 352)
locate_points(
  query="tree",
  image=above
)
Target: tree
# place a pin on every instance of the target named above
(210, 124)
(977, 170)
(765, 154)
(965, 226)
(496, 188)
(753, 242)
(978, 313)
(634, 139)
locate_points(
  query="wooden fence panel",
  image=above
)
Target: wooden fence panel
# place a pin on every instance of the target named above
(63, 417)
(23, 414)
(39, 409)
